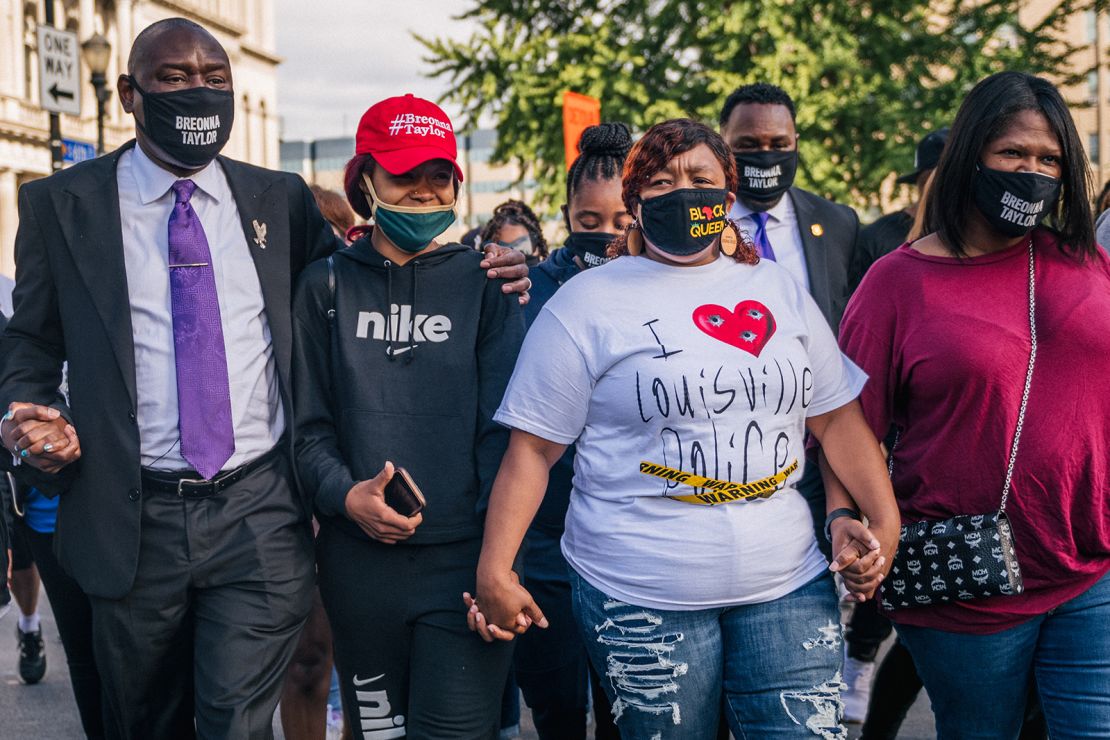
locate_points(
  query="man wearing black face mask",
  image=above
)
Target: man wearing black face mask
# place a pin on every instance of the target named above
(162, 274)
(811, 237)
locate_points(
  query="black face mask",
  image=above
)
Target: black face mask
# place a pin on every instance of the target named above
(190, 126)
(765, 175)
(684, 221)
(590, 246)
(1014, 202)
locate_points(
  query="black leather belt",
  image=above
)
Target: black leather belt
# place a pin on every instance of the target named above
(189, 484)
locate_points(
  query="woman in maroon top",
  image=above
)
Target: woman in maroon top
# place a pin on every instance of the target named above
(941, 326)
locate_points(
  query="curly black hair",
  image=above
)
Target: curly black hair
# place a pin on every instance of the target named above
(517, 212)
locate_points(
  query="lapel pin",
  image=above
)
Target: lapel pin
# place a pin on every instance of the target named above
(815, 229)
(259, 233)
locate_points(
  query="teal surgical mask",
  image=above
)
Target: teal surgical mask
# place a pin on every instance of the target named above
(411, 228)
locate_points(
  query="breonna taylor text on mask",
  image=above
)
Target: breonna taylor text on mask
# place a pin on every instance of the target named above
(1021, 212)
(198, 130)
(761, 178)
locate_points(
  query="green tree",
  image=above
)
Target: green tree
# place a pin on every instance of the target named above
(869, 76)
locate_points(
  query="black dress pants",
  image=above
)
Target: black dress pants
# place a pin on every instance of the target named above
(223, 587)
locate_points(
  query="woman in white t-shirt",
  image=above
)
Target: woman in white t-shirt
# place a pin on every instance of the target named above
(688, 380)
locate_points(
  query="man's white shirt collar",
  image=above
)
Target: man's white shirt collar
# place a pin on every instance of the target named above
(154, 182)
(782, 212)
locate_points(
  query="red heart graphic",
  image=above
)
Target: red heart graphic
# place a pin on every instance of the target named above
(748, 327)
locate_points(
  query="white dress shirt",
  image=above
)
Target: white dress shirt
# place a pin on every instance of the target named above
(782, 231)
(145, 203)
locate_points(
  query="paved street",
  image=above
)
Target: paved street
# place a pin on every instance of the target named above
(46, 711)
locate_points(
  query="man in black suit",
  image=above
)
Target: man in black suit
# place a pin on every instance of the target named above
(162, 273)
(813, 238)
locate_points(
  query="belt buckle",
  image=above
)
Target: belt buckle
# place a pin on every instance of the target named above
(182, 481)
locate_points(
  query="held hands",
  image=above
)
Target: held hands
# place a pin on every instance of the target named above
(859, 558)
(366, 507)
(39, 436)
(507, 609)
(502, 262)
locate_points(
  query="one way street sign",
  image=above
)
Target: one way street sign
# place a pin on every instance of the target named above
(59, 71)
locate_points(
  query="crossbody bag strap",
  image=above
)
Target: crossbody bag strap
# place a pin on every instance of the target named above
(1028, 381)
(1024, 392)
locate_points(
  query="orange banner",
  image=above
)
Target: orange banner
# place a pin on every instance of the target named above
(579, 113)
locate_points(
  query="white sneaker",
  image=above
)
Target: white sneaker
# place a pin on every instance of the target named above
(857, 676)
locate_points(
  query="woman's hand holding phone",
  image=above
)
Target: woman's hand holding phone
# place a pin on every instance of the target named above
(366, 507)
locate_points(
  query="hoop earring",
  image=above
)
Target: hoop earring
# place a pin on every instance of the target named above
(635, 240)
(730, 239)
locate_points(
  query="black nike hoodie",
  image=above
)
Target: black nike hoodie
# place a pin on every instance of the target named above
(410, 369)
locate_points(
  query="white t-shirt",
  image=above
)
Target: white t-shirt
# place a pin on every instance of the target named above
(709, 370)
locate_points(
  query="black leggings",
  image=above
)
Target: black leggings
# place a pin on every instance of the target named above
(405, 656)
(74, 619)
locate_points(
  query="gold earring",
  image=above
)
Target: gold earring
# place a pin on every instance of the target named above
(635, 240)
(729, 239)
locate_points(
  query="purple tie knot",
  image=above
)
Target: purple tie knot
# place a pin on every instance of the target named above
(760, 217)
(184, 189)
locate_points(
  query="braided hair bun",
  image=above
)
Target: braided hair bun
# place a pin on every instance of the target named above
(606, 139)
(602, 150)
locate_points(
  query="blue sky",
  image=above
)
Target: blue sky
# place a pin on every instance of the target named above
(341, 56)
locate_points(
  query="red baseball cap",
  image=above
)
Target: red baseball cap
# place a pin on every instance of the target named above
(404, 132)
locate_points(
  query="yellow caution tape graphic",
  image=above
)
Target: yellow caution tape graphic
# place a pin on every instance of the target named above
(719, 491)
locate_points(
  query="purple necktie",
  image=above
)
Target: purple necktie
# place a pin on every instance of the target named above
(203, 394)
(762, 242)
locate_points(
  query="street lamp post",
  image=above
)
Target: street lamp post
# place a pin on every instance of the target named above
(97, 52)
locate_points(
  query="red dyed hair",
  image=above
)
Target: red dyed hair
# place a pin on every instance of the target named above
(352, 183)
(662, 143)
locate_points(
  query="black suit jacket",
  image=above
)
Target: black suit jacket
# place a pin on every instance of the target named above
(829, 239)
(72, 305)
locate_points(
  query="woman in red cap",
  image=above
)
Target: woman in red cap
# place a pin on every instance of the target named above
(403, 351)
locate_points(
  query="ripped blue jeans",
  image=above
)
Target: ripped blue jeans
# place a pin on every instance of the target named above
(774, 668)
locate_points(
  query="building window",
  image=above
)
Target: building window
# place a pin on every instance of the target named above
(1092, 147)
(1092, 25)
(1092, 86)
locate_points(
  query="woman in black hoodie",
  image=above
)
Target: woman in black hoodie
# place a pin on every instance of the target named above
(403, 350)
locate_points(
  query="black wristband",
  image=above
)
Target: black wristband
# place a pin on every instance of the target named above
(836, 514)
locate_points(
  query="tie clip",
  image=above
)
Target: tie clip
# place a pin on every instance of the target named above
(191, 264)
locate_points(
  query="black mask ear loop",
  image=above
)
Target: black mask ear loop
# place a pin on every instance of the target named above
(135, 86)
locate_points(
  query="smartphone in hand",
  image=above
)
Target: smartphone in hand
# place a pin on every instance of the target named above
(403, 495)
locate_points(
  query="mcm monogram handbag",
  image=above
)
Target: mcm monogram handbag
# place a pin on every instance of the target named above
(971, 556)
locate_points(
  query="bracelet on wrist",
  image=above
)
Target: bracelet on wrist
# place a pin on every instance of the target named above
(836, 514)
